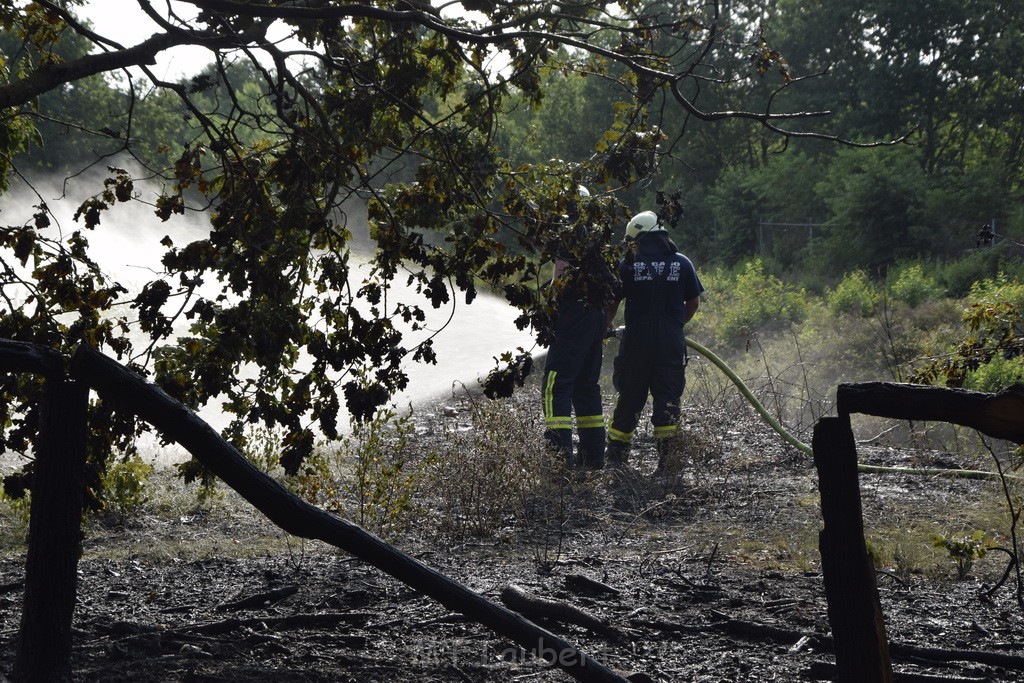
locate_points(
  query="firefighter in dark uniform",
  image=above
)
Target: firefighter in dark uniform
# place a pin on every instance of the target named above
(573, 367)
(662, 292)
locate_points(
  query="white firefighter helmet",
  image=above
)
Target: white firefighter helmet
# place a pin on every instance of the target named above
(645, 221)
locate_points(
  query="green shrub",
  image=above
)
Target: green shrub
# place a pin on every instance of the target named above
(913, 287)
(964, 550)
(1001, 288)
(380, 474)
(261, 445)
(855, 294)
(756, 300)
(993, 322)
(996, 375)
(499, 475)
(124, 488)
(14, 519)
(314, 482)
(957, 277)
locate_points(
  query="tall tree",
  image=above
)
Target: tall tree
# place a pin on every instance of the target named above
(932, 70)
(940, 67)
(878, 212)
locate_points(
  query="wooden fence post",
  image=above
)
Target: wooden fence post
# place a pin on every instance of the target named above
(862, 650)
(55, 530)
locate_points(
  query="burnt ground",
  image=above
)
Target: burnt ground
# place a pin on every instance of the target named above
(710, 576)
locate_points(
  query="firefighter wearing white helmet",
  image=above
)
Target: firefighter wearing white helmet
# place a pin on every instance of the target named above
(572, 370)
(645, 221)
(662, 292)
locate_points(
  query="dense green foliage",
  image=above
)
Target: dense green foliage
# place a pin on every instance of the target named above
(931, 70)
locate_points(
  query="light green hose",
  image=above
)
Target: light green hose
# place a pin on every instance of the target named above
(806, 449)
(768, 417)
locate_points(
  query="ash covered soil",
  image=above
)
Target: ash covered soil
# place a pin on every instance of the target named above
(709, 575)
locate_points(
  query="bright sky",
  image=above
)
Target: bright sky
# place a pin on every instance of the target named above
(123, 21)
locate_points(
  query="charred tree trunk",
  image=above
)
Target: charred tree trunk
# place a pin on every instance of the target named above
(862, 651)
(176, 422)
(998, 415)
(58, 480)
(25, 357)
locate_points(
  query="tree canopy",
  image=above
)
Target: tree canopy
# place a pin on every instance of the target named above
(399, 106)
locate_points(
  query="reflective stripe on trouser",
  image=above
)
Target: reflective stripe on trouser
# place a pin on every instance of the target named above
(558, 431)
(665, 431)
(591, 431)
(621, 437)
(571, 379)
(560, 422)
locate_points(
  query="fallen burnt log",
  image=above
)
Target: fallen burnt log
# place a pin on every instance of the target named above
(908, 652)
(584, 584)
(823, 671)
(561, 611)
(259, 600)
(292, 621)
(801, 640)
(177, 422)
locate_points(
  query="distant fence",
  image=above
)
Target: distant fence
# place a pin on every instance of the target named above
(787, 237)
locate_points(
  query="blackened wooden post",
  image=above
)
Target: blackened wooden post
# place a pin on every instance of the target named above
(854, 612)
(55, 528)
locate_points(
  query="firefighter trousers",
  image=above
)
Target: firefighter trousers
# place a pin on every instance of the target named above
(572, 375)
(651, 362)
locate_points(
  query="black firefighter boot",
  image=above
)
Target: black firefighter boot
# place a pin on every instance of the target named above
(663, 457)
(591, 451)
(616, 455)
(559, 443)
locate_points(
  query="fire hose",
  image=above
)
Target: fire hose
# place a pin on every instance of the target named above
(804, 448)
